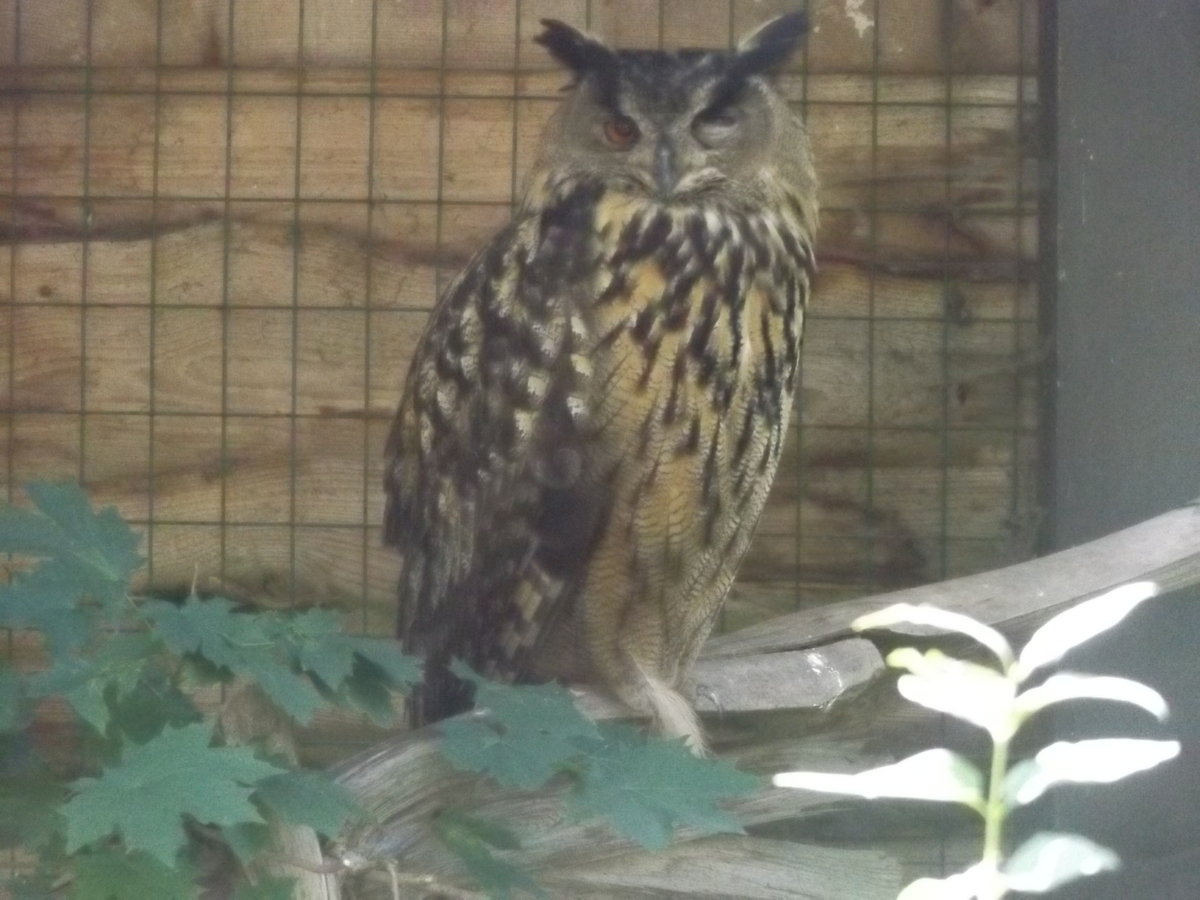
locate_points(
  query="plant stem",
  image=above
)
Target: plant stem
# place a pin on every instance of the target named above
(994, 814)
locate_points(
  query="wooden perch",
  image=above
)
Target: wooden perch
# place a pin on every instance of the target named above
(764, 682)
(1165, 549)
(803, 661)
(404, 782)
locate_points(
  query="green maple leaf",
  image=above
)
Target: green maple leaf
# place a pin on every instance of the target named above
(398, 668)
(316, 644)
(211, 628)
(308, 798)
(379, 669)
(473, 841)
(77, 680)
(12, 714)
(277, 651)
(29, 798)
(97, 549)
(108, 873)
(46, 599)
(528, 734)
(304, 798)
(306, 637)
(145, 796)
(240, 643)
(91, 684)
(367, 690)
(645, 787)
(153, 703)
(247, 839)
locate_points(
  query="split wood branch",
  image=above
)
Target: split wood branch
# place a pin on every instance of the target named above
(805, 660)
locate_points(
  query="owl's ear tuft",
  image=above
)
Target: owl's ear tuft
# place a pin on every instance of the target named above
(579, 52)
(769, 47)
(761, 52)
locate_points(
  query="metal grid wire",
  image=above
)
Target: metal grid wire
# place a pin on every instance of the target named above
(143, 396)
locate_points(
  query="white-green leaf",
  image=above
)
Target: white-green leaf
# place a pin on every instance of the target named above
(941, 619)
(936, 774)
(963, 885)
(1098, 761)
(965, 690)
(1070, 686)
(1080, 624)
(1048, 860)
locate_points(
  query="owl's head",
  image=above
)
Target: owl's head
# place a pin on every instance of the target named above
(680, 127)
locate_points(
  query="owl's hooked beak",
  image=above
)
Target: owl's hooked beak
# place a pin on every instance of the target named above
(666, 172)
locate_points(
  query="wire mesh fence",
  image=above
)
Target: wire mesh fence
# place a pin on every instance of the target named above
(226, 221)
(224, 236)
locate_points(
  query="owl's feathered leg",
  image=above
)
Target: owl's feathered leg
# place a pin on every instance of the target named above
(628, 649)
(673, 715)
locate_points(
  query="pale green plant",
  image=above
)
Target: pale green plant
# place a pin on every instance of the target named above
(998, 700)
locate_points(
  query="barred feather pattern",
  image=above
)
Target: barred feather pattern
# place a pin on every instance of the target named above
(589, 430)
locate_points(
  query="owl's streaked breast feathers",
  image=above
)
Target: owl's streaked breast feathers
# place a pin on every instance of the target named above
(596, 410)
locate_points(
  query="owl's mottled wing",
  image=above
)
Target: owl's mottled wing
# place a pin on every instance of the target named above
(486, 495)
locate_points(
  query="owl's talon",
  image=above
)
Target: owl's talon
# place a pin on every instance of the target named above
(711, 696)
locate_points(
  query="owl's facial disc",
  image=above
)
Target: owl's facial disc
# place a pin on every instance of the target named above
(673, 125)
(693, 148)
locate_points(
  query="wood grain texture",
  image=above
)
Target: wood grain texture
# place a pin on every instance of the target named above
(309, 135)
(215, 274)
(220, 238)
(916, 35)
(1165, 549)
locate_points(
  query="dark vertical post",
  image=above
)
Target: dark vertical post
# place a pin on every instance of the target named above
(1125, 425)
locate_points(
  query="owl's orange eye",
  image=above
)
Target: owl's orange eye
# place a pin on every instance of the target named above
(621, 131)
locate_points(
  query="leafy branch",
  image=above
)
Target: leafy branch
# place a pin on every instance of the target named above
(126, 666)
(528, 735)
(155, 771)
(999, 700)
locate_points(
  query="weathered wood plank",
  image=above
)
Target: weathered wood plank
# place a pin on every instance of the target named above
(221, 305)
(285, 82)
(915, 35)
(324, 254)
(418, 779)
(226, 510)
(244, 361)
(781, 869)
(922, 157)
(738, 867)
(873, 486)
(811, 679)
(227, 450)
(1165, 549)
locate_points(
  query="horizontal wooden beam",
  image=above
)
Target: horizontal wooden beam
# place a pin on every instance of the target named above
(926, 37)
(1165, 549)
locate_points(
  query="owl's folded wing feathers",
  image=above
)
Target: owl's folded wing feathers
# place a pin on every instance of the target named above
(487, 499)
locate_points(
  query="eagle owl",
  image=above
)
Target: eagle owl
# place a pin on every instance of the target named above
(596, 409)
